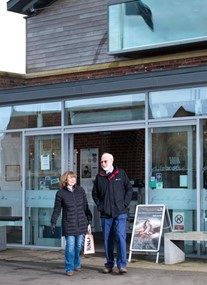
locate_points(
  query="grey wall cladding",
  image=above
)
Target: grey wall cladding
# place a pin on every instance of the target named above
(68, 33)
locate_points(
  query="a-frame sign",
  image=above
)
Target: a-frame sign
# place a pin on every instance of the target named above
(149, 223)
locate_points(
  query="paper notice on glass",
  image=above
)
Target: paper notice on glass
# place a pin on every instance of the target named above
(45, 162)
(183, 180)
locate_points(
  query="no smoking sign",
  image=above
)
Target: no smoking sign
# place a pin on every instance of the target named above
(178, 221)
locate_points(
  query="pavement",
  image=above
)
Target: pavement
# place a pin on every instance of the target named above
(37, 267)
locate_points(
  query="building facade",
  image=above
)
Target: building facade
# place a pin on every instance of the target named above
(94, 85)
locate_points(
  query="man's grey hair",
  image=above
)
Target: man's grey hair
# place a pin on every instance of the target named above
(109, 155)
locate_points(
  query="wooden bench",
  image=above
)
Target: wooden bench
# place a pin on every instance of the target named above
(174, 244)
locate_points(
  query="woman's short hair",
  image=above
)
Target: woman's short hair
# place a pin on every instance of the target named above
(64, 178)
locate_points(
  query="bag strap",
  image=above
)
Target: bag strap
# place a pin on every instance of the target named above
(89, 229)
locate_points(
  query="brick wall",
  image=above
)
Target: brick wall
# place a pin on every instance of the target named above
(120, 71)
(8, 80)
(127, 148)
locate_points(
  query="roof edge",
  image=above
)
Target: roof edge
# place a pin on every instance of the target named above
(28, 8)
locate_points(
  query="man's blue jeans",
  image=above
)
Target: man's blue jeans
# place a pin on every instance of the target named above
(115, 228)
(72, 252)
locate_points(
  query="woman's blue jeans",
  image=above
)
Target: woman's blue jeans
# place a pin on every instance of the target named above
(73, 252)
(115, 228)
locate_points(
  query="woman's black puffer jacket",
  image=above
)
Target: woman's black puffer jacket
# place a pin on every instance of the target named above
(76, 214)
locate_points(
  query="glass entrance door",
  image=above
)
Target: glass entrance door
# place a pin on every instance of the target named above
(43, 171)
(173, 174)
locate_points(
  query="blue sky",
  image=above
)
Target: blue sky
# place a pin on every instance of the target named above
(12, 38)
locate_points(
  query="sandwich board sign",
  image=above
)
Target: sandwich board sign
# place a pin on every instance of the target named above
(148, 228)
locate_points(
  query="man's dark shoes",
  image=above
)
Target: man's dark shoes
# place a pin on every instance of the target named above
(107, 270)
(122, 270)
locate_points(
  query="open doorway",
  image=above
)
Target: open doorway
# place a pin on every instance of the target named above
(128, 149)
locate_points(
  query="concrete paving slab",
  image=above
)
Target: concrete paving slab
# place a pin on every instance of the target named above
(35, 267)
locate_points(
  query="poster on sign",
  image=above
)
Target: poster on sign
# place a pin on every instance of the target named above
(147, 229)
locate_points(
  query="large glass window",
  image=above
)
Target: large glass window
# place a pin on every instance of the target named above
(11, 185)
(105, 109)
(173, 158)
(43, 171)
(204, 176)
(30, 116)
(178, 103)
(149, 24)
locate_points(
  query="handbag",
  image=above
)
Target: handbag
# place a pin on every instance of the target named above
(89, 246)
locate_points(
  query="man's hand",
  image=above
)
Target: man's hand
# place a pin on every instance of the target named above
(53, 229)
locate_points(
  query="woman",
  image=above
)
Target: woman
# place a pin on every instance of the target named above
(146, 230)
(76, 216)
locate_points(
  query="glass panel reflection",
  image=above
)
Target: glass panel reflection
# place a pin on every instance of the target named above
(105, 109)
(30, 116)
(173, 158)
(11, 185)
(203, 193)
(178, 103)
(147, 24)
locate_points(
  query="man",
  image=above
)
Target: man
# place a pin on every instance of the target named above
(112, 193)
